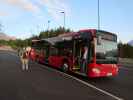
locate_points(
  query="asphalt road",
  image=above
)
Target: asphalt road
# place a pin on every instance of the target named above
(43, 83)
(120, 86)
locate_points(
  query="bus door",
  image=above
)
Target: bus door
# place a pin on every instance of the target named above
(76, 55)
(81, 56)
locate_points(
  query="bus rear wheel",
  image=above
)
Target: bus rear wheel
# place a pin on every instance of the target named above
(65, 67)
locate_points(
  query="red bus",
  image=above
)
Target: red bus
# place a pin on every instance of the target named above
(89, 52)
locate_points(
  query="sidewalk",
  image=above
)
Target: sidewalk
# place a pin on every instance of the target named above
(126, 62)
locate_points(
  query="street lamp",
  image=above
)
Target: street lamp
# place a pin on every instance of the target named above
(63, 12)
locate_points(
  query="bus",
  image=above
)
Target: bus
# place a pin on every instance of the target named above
(89, 52)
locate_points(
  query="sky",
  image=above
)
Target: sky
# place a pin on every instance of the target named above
(23, 18)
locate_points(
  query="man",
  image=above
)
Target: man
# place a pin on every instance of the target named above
(84, 59)
(24, 59)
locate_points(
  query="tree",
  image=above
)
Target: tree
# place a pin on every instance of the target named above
(125, 50)
(53, 32)
(18, 43)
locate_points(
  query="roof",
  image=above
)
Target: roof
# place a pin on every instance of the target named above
(53, 40)
(65, 37)
(62, 37)
(93, 31)
(35, 40)
(69, 36)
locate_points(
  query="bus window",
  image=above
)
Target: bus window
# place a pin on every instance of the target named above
(54, 51)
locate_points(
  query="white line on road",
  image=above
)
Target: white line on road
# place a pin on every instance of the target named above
(10, 53)
(94, 87)
(83, 82)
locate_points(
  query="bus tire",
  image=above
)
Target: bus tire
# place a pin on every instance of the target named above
(65, 67)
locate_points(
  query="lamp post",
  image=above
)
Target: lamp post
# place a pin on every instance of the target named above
(48, 27)
(37, 27)
(63, 12)
(48, 24)
(98, 13)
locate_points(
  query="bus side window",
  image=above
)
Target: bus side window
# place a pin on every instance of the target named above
(54, 52)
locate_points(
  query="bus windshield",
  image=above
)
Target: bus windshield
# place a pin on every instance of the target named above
(106, 52)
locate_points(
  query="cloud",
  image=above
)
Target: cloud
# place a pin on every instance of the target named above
(54, 7)
(23, 4)
(3, 14)
(23, 35)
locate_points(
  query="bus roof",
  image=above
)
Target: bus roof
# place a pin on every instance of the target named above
(94, 31)
(52, 40)
(35, 40)
(69, 36)
(62, 37)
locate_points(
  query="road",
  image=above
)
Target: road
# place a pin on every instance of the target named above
(43, 83)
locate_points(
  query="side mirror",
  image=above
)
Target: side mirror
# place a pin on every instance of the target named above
(99, 40)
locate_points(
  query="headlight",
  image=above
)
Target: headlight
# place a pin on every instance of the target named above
(96, 70)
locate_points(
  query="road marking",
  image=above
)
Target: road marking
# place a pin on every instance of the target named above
(83, 82)
(11, 53)
(94, 87)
